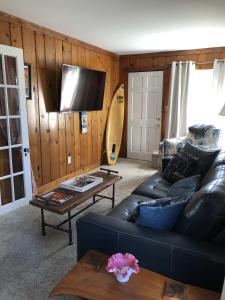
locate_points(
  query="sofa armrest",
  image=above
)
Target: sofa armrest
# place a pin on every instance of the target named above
(170, 254)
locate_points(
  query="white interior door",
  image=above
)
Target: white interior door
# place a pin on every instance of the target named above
(15, 170)
(144, 114)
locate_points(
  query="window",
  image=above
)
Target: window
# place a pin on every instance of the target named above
(203, 105)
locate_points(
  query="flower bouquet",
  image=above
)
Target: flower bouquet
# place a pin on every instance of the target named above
(122, 265)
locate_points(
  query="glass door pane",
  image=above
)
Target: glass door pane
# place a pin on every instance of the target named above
(13, 101)
(11, 70)
(17, 160)
(19, 187)
(4, 163)
(3, 133)
(15, 131)
(6, 191)
(1, 71)
(2, 102)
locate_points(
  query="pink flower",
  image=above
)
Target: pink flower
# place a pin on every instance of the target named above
(120, 263)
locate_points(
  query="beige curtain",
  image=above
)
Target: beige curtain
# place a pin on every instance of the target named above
(219, 85)
(180, 81)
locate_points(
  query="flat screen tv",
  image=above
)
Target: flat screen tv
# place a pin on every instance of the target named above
(81, 89)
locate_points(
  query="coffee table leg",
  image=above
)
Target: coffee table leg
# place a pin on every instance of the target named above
(43, 222)
(70, 229)
(94, 199)
(113, 196)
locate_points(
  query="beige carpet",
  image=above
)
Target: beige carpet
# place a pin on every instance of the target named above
(30, 264)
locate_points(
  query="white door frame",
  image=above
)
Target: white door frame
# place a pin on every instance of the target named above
(142, 126)
(26, 172)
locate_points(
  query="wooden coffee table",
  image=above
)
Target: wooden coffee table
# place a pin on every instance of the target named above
(89, 280)
(109, 179)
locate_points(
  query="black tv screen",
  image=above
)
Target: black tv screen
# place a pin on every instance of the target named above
(81, 89)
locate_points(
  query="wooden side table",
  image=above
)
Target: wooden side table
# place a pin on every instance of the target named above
(89, 280)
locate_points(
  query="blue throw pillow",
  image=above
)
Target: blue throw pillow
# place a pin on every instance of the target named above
(162, 216)
(153, 202)
(185, 187)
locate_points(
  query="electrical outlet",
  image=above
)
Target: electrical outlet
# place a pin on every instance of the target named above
(69, 159)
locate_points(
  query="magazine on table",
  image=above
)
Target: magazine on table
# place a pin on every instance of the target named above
(54, 197)
(174, 291)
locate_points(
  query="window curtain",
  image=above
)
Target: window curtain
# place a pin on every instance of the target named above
(180, 81)
(219, 85)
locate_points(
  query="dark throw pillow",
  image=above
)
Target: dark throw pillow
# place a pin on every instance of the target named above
(185, 187)
(162, 216)
(205, 158)
(182, 165)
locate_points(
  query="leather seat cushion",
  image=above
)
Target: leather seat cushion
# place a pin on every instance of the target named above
(154, 187)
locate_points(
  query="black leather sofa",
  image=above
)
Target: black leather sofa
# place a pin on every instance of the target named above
(191, 256)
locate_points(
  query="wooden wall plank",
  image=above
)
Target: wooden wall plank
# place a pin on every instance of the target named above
(81, 60)
(5, 33)
(94, 123)
(62, 123)
(89, 115)
(76, 121)
(69, 117)
(32, 106)
(99, 119)
(107, 98)
(50, 55)
(16, 36)
(42, 93)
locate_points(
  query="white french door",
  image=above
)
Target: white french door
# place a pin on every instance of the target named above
(15, 169)
(144, 114)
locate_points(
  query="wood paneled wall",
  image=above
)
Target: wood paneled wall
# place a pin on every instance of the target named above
(54, 136)
(161, 62)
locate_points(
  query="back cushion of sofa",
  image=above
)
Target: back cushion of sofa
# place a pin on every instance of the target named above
(218, 172)
(204, 216)
(217, 169)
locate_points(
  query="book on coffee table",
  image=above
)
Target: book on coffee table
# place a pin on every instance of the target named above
(174, 291)
(81, 183)
(54, 197)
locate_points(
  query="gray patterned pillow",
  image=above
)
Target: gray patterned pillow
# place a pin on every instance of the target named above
(182, 165)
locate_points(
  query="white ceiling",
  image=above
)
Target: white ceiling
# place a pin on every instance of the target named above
(129, 26)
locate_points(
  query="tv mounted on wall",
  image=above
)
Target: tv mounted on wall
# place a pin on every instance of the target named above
(81, 89)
